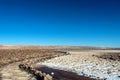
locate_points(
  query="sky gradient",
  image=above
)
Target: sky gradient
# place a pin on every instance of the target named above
(60, 22)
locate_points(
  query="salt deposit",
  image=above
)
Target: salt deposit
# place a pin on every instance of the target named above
(86, 65)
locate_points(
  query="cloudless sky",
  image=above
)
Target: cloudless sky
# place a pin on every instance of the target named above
(60, 22)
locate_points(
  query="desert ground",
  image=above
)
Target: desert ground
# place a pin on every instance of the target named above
(59, 63)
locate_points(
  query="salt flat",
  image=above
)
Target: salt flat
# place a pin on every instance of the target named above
(84, 63)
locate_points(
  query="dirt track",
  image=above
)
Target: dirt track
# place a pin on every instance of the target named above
(12, 72)
(10, 59)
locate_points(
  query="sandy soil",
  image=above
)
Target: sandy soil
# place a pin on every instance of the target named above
(11, 58)
(12, 72)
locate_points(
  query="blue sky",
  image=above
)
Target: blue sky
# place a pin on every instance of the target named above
(60, 22)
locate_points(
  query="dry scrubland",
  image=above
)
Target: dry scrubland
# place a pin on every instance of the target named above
(14, 55)
(83, 63)
(10, 58)
(11, 53)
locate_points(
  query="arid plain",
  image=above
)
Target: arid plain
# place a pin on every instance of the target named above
(59, 63)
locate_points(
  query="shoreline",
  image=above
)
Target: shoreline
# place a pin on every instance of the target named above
(85, 64)
(59, 74)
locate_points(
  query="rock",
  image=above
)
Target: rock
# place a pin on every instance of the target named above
(119, 76)
(105, 79)
(48, 77)
(112, 71)
(113, 65)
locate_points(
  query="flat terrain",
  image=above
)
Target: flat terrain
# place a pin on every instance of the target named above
(89, 63)
(11, 58)
(79, 63)
(12, 72)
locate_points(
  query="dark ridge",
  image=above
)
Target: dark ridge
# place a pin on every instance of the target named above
(0, 76)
